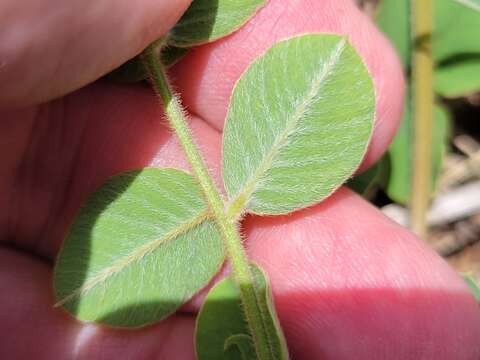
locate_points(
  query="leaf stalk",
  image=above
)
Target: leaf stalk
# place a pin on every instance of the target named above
(423, 99)
(227, 226)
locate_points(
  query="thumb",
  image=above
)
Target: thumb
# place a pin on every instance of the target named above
(51, 47)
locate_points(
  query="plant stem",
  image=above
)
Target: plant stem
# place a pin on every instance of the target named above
(227, 227)
(423, 98)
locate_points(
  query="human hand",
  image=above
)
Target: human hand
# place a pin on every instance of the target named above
(348, 283)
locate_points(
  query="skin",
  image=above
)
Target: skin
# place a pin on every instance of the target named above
(348, 283)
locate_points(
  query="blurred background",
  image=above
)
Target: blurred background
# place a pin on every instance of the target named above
(451, 220)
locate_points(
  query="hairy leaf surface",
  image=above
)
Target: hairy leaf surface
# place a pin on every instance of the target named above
(299, 123)
(209, 20)
(141, 246)
(222, 332)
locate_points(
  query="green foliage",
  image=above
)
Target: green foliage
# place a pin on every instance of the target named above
(392, 18)
(208, 20)
(458, 78)
(298, 126)
(456, 28)
(221, 331)
(456, 50)
(141, 246)
(219, 319)
(299, 123)
(366, 183)
(172, 54)
(134, 71)
(129, 72)
(398, 187)
(473, 285)
(203, 22)
(242, 343)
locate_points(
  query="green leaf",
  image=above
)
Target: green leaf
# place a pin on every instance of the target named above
(400, 154)
(458, 78)
(208, 20)
(134, 71)
(272, 324)
(220, 318)
(204, 21)
(472, 283)
(141, 246)
(172, 54)
(299, 123)
(456, 28)
(243, 343)
(392, 18)
(369, 181)
(129, 72)
(222, 333)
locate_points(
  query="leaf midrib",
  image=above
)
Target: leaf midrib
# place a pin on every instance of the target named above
(291, 124)
(139, 253)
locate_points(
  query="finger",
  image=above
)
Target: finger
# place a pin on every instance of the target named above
(70, 147)
(206, 77)
(49, 48)
(32, 329)
(350, 284)
(120, 128)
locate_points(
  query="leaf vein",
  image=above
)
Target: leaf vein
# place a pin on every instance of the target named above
(102, 276)
(291, 124)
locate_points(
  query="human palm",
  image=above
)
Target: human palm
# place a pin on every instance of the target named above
(348, 283)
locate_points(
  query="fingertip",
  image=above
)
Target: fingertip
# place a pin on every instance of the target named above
(57, 48)
(350, 283)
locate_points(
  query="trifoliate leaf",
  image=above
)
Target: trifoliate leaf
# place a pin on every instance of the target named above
(141, 246)
(222, 332)
(299, 123)
(209, 20)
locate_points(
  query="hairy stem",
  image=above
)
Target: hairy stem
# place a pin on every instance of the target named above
(423, 98)
(227, 226)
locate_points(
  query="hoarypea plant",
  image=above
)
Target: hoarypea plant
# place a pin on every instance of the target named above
(298, 125)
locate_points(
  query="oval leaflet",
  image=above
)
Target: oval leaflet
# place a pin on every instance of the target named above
(142, 245)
